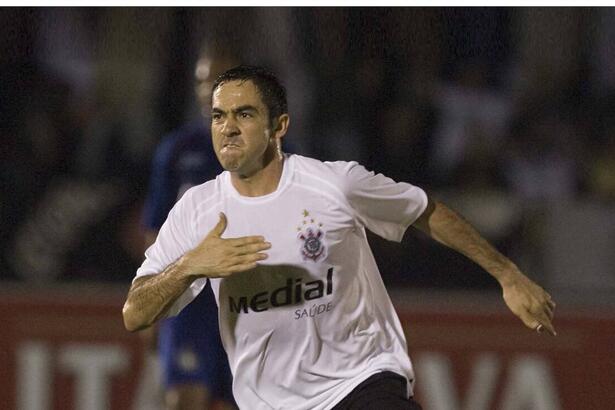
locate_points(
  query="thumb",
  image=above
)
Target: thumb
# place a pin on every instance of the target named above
(220, 227)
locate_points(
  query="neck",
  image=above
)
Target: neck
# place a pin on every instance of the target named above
(262, 182)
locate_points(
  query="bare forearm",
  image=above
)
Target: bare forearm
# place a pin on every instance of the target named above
(449, 228)
(525, 298)
(151, 296)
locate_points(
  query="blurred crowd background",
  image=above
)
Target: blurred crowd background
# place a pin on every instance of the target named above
(506, 114)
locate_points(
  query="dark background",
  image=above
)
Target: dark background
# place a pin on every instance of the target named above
(506, 114)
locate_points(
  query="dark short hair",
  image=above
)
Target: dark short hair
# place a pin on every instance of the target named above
(269, 87)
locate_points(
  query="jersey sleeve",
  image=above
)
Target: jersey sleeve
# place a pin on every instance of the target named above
(175, 238)
(162, 188)
(385, 207)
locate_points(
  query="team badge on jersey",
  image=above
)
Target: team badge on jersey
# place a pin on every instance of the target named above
(312, 238)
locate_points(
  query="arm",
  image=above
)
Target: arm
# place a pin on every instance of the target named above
(149, 336)
(525, 299)
(165, 287)
(150, 297)
(157, 205)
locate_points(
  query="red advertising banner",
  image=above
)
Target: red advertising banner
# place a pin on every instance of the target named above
(474, 359)
(68, 350)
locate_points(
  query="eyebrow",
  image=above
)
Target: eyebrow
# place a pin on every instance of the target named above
(241, 108)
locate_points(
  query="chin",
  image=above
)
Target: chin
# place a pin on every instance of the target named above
(229, 162)
(230, 165)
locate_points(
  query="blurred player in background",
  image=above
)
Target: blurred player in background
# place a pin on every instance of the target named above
(306, 320)
(195, 372)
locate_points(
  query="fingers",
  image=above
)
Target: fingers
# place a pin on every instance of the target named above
(245, 240)
(531, 304)
(220, 257)
(540, 322)
(547, 325)
(248, 260)
(252, 248)
(542, 314)
(253, 257)
(247, 245)
(548, 310)
(220, 227)
(551, 329)
(243, 263)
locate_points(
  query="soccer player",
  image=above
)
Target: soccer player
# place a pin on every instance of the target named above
(304, 315)
(195, 370)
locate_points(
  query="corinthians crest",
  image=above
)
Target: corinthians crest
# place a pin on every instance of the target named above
(312, 238)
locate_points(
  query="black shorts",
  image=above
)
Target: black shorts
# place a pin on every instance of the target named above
(386, 390)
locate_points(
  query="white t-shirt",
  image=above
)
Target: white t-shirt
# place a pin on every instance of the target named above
(314, 320)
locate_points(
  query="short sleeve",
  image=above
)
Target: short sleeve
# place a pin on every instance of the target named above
(175, 238)
(385, 207)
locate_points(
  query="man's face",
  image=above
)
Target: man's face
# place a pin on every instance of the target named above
(240, 128)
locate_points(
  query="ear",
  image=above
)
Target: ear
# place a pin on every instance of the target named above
(281, 126)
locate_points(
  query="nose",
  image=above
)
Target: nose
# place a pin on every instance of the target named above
(229, 127)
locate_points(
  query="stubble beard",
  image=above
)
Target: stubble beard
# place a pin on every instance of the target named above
(231, 164)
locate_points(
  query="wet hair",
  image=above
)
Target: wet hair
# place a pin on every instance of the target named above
(270, 88)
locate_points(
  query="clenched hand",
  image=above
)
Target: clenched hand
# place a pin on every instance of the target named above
(217, 257)
(530, 303)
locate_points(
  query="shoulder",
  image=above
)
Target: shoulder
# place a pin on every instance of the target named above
(337, 178)
(203, 195)
(339, 173)
(208, 188)
(331, 169)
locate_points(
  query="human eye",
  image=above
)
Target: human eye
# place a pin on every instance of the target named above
(215, 116)
(245, 114)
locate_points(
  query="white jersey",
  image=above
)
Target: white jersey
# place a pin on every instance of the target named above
(313, 320)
